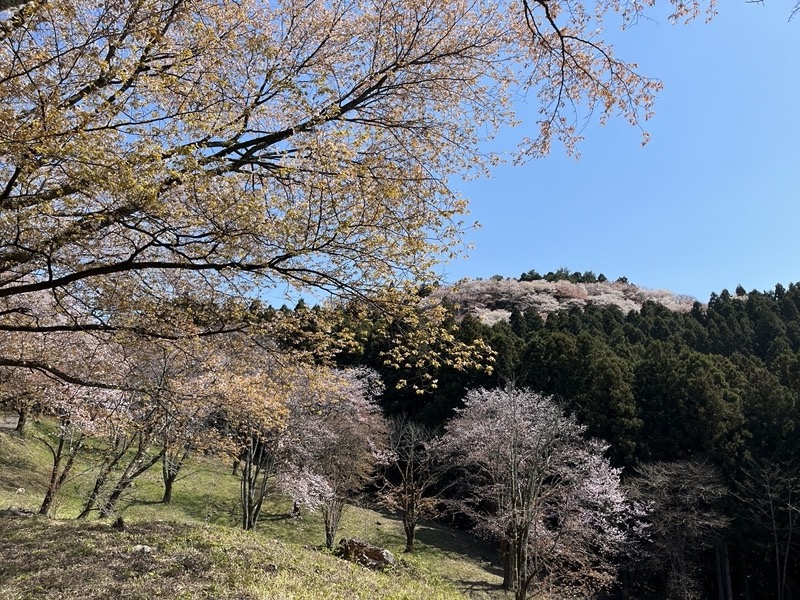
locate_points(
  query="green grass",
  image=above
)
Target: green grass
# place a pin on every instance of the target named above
(198, 551)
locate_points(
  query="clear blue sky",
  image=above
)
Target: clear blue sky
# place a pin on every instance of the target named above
(711, 202)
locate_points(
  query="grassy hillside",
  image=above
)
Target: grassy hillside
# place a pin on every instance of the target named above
(196, 550)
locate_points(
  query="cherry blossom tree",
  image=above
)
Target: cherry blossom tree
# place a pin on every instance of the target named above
(79, 413)
(254, 411)
(335, 441)
(534, 484)
(81, 403)
(312, 432)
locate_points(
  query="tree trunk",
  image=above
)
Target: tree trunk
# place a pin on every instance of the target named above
(170, 468)
(728, 580)
(22, 412)
(111, 460)
(258, 465)
(127, 478)
(508, 566)
(523, 580)
(52, 486)
(332, 512)
(410, 527)
(95, 493)
(167, 497)
(57, 479)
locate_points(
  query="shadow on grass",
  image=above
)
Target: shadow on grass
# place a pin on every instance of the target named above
(139, 502)
(458, 541)
(277, 517)
(477, 586)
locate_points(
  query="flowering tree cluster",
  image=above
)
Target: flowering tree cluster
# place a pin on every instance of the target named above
(312, 432)
(533, 483)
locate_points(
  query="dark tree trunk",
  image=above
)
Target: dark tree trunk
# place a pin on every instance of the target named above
(170, 468)
(23, 419)
(110, 461)
(91, 501)
(57, 479)
(258, 465)
(410, 527)
(127, 478)
(721, 593)
(167, 497)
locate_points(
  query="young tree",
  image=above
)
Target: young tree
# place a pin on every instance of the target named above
(534, 484)
(256, 411)
(412, 472)
(162, 413)
(351, 446)
(69, 440)
(78, 409)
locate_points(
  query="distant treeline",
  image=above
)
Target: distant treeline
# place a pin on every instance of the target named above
(563, 274)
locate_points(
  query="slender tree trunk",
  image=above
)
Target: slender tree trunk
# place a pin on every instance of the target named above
(776, 544)
(91, 501)
(332, 512)
(52, 486)
(523, 580)
(724, 572)
(22, 412)
(728, 580)
(127, 479)
(110, 461)
(170, 468)
(257, 468)
(60, 452)
(410, 527)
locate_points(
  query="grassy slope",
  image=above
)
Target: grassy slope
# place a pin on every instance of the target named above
(197, 551)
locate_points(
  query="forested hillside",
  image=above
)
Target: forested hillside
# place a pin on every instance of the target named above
(699, 404)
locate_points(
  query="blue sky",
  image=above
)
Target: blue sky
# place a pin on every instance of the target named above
(711, 202)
